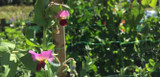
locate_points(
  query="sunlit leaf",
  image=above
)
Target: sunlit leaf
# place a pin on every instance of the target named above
(7, 44)
(146, 2)
(4, 49)
(50, 47)
(149, 68)
(28, 42)
(152, 62)
(153, 3)
(6, 71)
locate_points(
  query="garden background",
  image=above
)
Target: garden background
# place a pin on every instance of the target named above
(105, 37)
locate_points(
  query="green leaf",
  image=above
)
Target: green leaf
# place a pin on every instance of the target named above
(152, 62)
(5, 57)
(153, 3)
(39, 10)
(29, 32)
(52, 11)
(41, 74)
(13, 68)
(4, 49)
(50, 47)
(7, 44)
(145, 2)
(10, 69)
(149, 68)
(94, 68)
(29, 63)
(13, 57)
(6, 70)
(157, 65)
(30, 43)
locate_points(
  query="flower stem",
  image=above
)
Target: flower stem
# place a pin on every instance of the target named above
(49, 71)
(44, 37)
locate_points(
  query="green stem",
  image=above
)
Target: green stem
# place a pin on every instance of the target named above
(59, 69)
(49, 71)
(44, 37)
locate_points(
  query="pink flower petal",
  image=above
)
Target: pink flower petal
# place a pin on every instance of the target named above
(63, 14)
(46, 55)
(34, 55)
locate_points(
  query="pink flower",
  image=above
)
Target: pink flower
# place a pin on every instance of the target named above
(42, 57)
(63, 14)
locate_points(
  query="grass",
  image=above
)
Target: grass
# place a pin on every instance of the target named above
(17, 12)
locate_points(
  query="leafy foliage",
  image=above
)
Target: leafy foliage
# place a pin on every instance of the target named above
(98, 21)
(110, 37)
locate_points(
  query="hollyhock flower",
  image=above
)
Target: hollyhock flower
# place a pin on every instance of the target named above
(63, 15)
(41, 58)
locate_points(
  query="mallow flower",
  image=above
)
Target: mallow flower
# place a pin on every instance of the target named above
(41, 58)
(63, 15)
